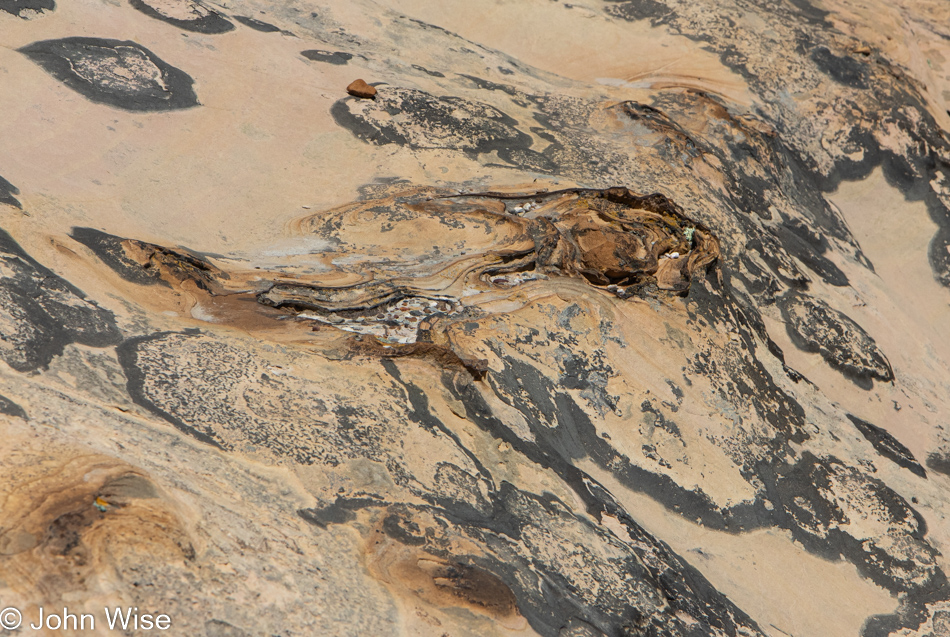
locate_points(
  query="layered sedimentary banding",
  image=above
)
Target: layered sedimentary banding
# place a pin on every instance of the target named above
(474, 245)
(414, 257)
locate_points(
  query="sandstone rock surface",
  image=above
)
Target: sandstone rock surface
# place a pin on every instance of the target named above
(601, 318)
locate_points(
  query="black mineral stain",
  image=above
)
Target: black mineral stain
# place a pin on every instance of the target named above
(115, 72)
(844, 70)
(427, 71)
(888, 95)
(888, 446)
(809, 12)
(526, 562)
(330, 57)
(416, 119)
(205, 21)
(110, 251)
(42, 313)
(340, 512)
(127, 354)
(257, 25)
(657, 12)
(814, 326)
(23, 8)
(804, 492)
(939, 462)
(10, 408)
(562, 433)
(809, 247)
(7, 192)
(401, 527)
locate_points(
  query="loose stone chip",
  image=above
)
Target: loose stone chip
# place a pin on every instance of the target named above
(359, 88)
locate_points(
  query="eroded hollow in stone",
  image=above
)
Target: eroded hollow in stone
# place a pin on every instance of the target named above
(394, 266)
(422, 248)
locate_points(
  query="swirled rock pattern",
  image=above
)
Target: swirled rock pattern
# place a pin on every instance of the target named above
(619, 317)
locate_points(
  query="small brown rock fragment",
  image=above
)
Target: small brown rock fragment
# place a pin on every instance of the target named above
(359, 88)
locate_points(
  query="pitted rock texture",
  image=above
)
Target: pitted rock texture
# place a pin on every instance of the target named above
(599, 318)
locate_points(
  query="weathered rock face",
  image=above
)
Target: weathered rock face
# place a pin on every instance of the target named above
(616, 318)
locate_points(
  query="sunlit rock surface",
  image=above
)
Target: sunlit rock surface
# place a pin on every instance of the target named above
(597, 319)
